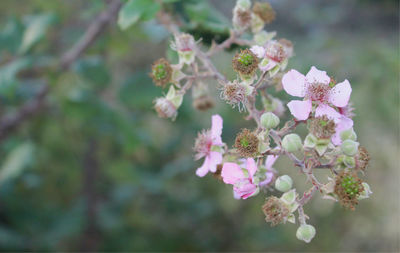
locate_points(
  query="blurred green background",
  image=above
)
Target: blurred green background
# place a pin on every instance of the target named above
(96, 169)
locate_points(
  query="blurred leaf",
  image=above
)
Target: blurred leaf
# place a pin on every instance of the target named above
(35, 30)
(134, 10)
(94, 70)
(16, 161)
(8, 74)
(11, 35)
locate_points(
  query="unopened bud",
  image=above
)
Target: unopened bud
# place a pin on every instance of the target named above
(292, 143)
(348, 135)
(269, 120)
(243, 4)
(283, 183)
(349, 147)
(305, 233)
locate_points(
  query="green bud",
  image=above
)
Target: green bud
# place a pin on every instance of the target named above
(349, 161)
(348, 135)
(269, 120)
(305, 233)
(349, 147)
(292, 143)
(243, 4)
(283, 183)
(367, 191)
(310, 141)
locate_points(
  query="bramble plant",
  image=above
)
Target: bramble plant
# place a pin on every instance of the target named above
(330, 144)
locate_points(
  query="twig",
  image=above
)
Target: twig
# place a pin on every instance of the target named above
(9, 123)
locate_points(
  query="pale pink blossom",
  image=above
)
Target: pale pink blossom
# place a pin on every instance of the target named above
(209, 145)
(242, 179)
(269, 175)
(314, 87)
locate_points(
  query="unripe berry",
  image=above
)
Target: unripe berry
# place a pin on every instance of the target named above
(283, 183)
(269, 120)
(305, 233)
(292, 143)
(349, 147)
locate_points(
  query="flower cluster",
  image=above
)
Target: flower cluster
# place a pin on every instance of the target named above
(247, 165)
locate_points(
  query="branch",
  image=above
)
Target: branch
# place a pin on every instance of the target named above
(9, 123)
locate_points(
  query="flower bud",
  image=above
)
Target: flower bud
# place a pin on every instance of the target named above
(264, 11)
(283, 183)
(292, 143)
(348, 135)
(243, 4)
(269, 120)
(349, 147)
(305, 233)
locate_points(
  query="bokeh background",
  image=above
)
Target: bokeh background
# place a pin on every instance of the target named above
(96, 169)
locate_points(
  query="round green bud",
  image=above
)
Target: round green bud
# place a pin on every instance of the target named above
(348, 135)
(349, 147)
(305, 233)
(269, 120)
(283, 183)
(243, 4)
(292, 143)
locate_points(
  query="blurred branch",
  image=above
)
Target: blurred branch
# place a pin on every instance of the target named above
(90, 175)
(9, 123)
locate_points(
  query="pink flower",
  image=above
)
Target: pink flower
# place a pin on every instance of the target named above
(209, 145)
(243, 180)
(269, 175)
(314, 87)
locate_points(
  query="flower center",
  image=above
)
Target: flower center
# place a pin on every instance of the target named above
(318, 91)
(203, 143)
(160, 71)
(245, 59)
(350, 185)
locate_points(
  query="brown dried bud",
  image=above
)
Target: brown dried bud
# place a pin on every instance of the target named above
(161, 72)
(321, 127)
(363, 158)
(241, 18)
(217, 173)
(245, 62)
(288, 46)
(275, 211)
(264, 11)
(203, 103)
(184, 42)
(348, 187)
(246, 143)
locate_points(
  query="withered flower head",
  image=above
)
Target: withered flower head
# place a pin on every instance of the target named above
(363, 158)
(245, 62)
(234, 93)
(275, 51)
(264, 11)
(321, 127)
(165, 108)
(348, 187)
(241, 18)
(203, 103)
(275, 211)
(246, 143)
(161, 72)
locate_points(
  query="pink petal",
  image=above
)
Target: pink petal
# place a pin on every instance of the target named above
(300, 109)
(331, 113)
(271, 64)
(215, 159)
(244, 190)
(203, 170)
(216, 129)
(294, 83)
(231, 173)
(345, 123)
(258, 51)
(340, 94)
(210, 164)
(268, 178)
(270, 161)
(317, 76)
(251, 167)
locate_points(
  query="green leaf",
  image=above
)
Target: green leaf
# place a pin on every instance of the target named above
(135, 10)
(8, 73)
(35, 30)
(94, 70)
(16, 161)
